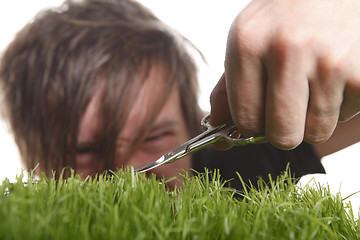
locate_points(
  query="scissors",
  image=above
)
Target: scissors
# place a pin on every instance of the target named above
(225, 132)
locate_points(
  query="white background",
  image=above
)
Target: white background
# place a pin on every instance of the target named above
(205, 23)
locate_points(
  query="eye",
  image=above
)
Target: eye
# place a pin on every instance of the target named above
(84, 149)
(158, 136)
(159, 142)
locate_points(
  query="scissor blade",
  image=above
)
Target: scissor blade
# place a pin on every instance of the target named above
(151, 165)
(169, 157)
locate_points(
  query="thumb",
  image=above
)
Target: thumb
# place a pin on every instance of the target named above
(220, 111)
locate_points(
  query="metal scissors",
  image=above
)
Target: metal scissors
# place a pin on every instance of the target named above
(224, 132)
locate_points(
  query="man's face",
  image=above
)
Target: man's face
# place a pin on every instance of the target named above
(167, 132)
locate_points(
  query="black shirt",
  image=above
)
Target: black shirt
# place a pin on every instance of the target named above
(258, 160)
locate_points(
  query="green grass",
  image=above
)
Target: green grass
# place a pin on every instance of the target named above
(127, 206)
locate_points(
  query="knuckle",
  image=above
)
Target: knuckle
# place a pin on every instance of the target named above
(244, 36)
(288, 42)
(323, 109)
(329, 67)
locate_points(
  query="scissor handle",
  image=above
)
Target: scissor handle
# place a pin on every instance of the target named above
(224, 132)
(229, 133)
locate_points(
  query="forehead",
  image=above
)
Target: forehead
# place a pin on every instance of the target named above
(148, 101)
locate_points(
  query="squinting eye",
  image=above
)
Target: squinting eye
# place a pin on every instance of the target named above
(87, 150)
(159, 142)
(152, 138)
(82, 151)
(157, 136)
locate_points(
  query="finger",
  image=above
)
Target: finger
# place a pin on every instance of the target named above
(322, 117)
(221, 146)
(351, 102)
(220, 112)
(287, 95)
(245, 82)
(326, 96)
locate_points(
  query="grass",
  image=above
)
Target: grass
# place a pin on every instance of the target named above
(128, 206)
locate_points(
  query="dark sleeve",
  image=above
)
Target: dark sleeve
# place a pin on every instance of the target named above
(258, 160)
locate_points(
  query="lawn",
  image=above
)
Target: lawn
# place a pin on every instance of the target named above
(125, 205)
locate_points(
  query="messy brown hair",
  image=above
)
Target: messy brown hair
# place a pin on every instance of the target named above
(50, 71)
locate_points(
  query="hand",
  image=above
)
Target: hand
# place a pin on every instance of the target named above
(292, 70)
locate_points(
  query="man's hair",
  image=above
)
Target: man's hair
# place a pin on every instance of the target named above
(51, 70)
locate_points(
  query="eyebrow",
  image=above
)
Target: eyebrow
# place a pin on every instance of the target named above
(91, 141)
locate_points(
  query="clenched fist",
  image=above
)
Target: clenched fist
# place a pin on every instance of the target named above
(292, 70)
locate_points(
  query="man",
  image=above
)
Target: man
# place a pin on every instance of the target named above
(104, 84)
(76, 77)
